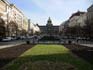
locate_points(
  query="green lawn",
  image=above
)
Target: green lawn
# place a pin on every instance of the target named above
(48, 57)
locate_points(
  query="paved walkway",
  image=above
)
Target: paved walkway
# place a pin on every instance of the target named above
(11, 45)
(88, 45)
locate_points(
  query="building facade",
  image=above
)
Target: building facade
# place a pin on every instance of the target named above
(63, 27)
(90, 14)
(49, 29)
(33, 29)
(12, 21)
(75, 25)
(15, 21)
(90, 21)
(4, 5)
(25, 26)
(77, 19)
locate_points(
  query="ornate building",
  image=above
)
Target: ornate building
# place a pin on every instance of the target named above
(49, 29)
(77, 19)
(3, 17)
(13, 22)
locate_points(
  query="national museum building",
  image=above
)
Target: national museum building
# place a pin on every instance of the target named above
(49, 29)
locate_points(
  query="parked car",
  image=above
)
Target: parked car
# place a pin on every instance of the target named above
(0, 38)
(7, 39)
(13, 38)
(83, 38)
(19, 38)
(23, 37)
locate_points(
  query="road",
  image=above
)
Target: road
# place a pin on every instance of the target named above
(19, 42)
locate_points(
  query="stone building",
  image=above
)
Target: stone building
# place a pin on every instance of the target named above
(33, 28)
(49, 29)
(77, 19)
(90, 21)
(63, 27)
(74, 26)
(15, 21)
(90, 14)
(4, 5)
(12, 21)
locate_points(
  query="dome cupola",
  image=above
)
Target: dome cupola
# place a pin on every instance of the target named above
(49, 22)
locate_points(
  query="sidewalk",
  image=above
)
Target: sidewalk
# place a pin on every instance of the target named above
(88, 45)
(11, 45)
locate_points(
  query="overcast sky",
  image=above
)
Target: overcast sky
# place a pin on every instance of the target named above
(59, 10)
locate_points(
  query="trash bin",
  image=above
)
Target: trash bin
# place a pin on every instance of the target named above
(27, 42)
(69, 42)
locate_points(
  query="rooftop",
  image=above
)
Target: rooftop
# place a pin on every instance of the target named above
(78, 13)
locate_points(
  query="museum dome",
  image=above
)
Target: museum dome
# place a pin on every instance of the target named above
(49, 22)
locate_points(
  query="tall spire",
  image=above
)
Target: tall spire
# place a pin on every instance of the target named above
(49, 19)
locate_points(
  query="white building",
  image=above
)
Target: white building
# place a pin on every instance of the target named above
(82, 20)
(32, 28)
(4, 9)
(36, 29)
(63, 26)
(77, 19)
(13, 19)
